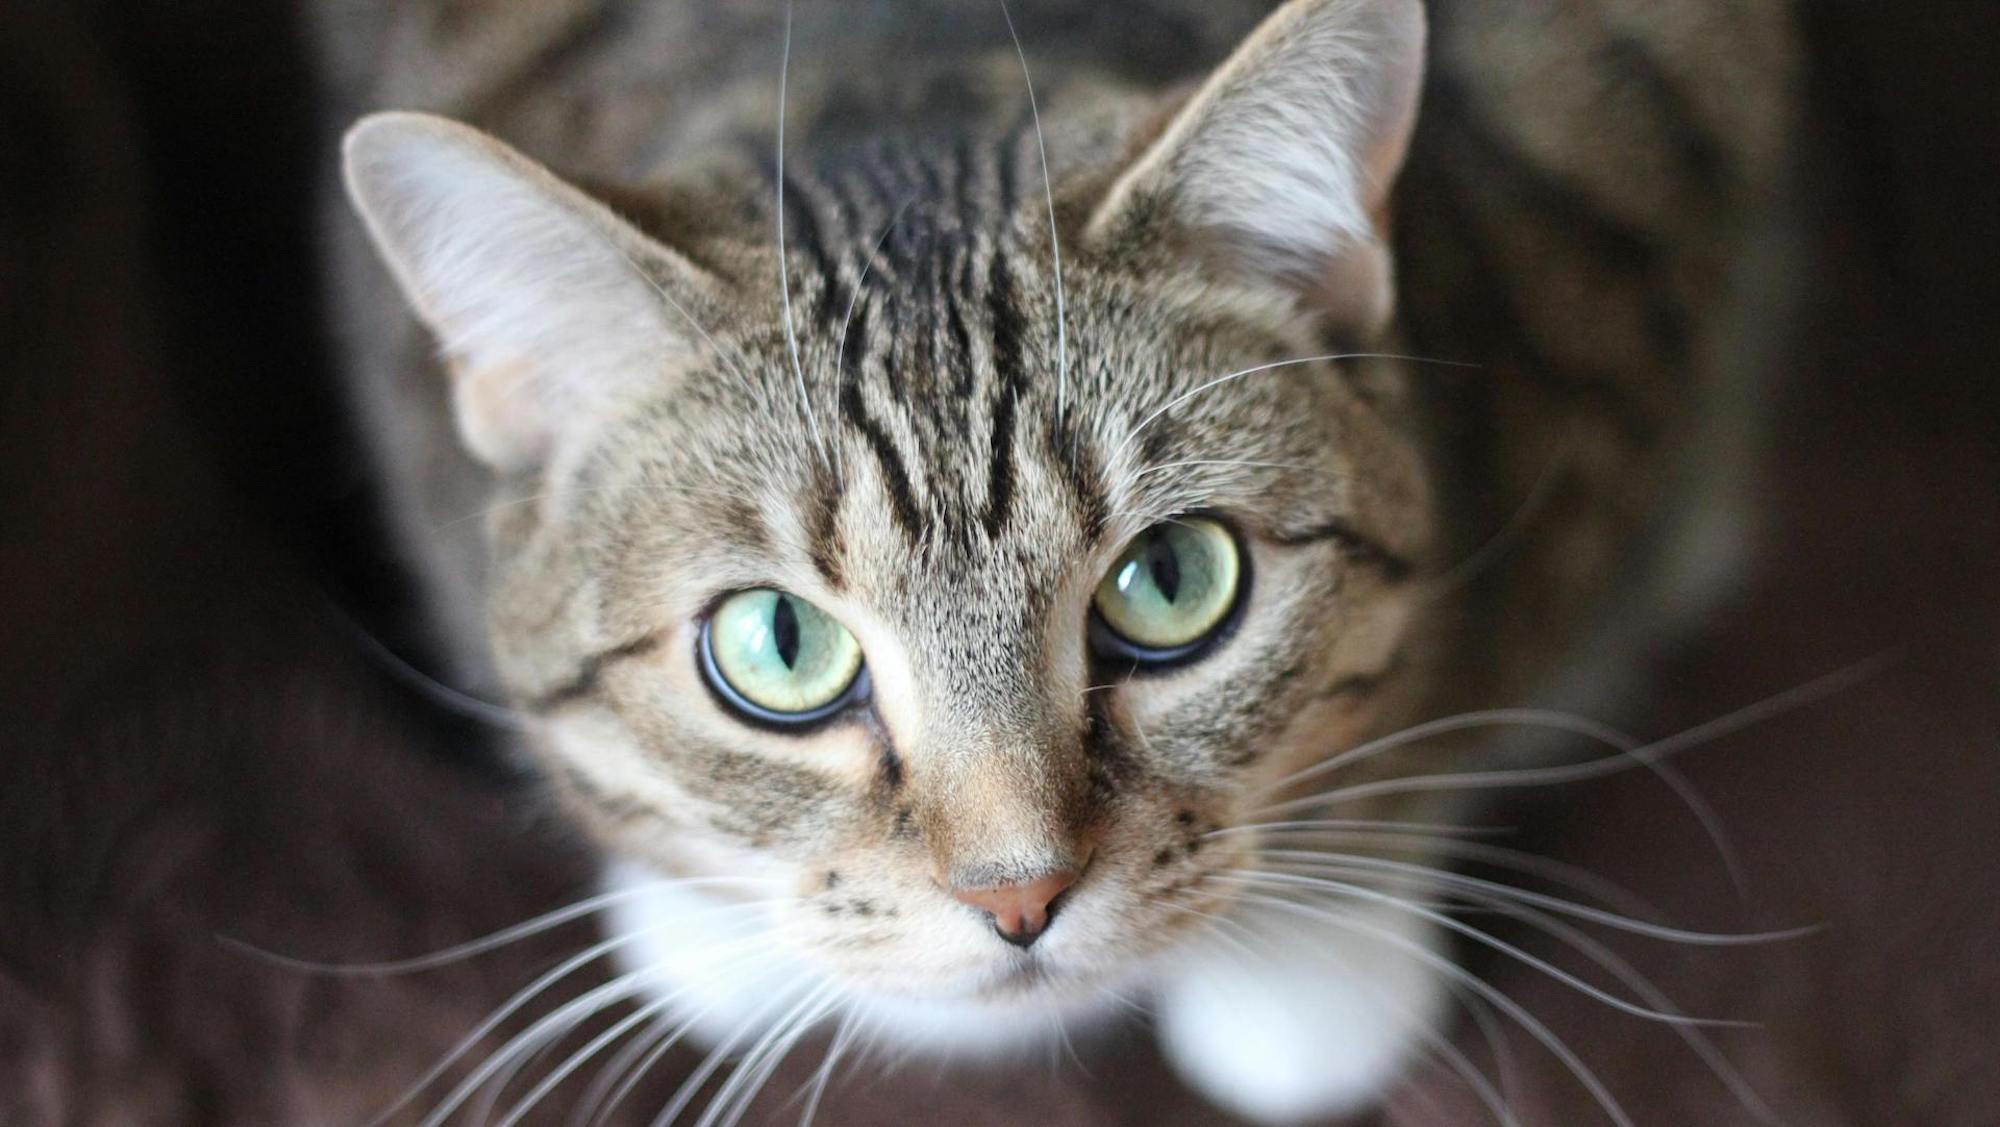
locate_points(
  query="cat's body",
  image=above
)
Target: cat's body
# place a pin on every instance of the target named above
(940, 425)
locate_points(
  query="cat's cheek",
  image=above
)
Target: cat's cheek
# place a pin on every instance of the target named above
(1322, 1025)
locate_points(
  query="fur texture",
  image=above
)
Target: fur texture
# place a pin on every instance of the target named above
(930, 363)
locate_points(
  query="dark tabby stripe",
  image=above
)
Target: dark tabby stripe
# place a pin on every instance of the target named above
(1007, 329)
(902, 498)
(1355, 544)
(584, 682)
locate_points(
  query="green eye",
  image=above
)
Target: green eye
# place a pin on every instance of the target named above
(778, 659)
(1170, 591)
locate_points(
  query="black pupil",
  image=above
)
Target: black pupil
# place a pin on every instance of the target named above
(1165, 565)
(785, 630)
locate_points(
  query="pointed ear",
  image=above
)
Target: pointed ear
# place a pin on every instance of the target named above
(1278, 170)
(545, 303)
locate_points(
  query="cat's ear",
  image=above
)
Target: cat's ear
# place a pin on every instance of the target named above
(1277, 170)
(545, 303)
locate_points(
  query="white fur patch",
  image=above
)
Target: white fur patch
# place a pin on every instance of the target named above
(1319, 1023)
(723, 967)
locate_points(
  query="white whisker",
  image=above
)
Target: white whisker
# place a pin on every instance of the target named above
(585, 1110)
(663, 1042)
(1218, 381)
(1718, 1064)
(1221, 462)
(1462, 882)
(1367, 825)
(697, 1079)
(1632, 753)
(823, 1076)
(1477, 935)
(1509, 533)
(560, 1021)
(1563, 875)
(577, 1059)
(1499, 1000)
(448, 697)
(733, 1102)
(489, 942)
(732, 357)
(1055, 240)
(784, 273)
(522, 998)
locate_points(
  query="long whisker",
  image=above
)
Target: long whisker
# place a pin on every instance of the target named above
(532, 1050)
(861, 280)
(843, 1036)
(1477, 935)
(732, 357)
(1641, 755)
(1499, 1000)
(1221, 462)
(561, 1020)
(728, 1109)
(1503, 540)
(593, 1099)
(839, 358)
(663, 1042)
(590, 1049)
(1812, 691)
(1218, 381)
(1444, 725)
(448, 697)
(521, 998)
(1718, 1064)
(516, 502)
(512, 934)
(1360, 825)
(1495, 1037)
(1563, 875)
(1055, 240)
(1628, 746)
(1613, 920)
(698, 1079)
(1475, 1081)
(784, 272)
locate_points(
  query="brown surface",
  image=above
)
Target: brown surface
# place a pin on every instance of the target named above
(192, 747)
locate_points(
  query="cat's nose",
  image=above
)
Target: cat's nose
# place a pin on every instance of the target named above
(1020, 912)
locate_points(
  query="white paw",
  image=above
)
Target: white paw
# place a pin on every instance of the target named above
(1308, 1020)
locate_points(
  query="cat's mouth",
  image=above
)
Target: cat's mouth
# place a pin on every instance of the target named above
(1024, 975)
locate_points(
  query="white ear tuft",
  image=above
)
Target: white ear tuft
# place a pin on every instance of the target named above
(537, 293)
(1281, 164)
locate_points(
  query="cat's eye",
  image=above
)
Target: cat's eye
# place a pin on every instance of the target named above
(778, 659)
(1169, 593)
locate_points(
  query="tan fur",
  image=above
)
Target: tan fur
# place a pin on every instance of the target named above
(951, 481)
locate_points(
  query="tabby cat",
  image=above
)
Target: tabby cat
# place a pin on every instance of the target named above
(959, 496)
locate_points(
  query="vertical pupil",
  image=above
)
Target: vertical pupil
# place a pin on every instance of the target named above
(1165, 564)
(785, 631)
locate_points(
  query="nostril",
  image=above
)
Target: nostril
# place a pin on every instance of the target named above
(1022, 939)
(1020, 912)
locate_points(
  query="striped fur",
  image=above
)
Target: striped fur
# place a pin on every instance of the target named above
(941, 407)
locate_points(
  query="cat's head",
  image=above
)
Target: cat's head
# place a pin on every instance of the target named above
(961, 579)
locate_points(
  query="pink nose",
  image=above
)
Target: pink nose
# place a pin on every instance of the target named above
(1020, 911)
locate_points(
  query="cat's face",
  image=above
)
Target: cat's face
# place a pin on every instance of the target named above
(968, 703)
(973, 608)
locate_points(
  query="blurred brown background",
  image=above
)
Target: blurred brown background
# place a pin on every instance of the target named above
(192, 744)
